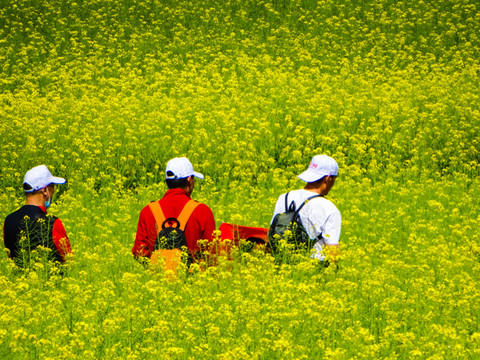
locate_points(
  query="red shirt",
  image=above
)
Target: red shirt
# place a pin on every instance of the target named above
(200, 225)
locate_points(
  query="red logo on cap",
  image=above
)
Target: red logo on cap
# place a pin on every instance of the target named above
(312, 164)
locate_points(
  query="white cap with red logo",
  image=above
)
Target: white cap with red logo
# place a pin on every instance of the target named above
(320, 166)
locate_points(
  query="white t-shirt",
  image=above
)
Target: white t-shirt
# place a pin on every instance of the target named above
(319, 216)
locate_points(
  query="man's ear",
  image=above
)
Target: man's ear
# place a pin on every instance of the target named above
(331, 179)
(190, 183)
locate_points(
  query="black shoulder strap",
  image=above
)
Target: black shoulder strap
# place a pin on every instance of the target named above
(291, 207)
(306, 200)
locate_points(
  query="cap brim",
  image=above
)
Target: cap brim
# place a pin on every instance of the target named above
(310, 176)
(58, 180)
(198, 175)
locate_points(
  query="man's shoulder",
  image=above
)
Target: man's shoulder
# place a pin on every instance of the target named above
(10, 216)
(292, 194)
(299, 195)
(31, 211)
(20, 210)
(147, 208)
(202, 207)
(296, 197)
(202, 213)
(324, 203)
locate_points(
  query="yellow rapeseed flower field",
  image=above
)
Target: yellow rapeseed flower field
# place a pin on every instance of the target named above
(106, 92)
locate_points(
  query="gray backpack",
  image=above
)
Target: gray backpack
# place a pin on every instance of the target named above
(290, 221)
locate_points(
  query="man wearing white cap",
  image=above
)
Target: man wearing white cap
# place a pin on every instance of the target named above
(198, 224)
(320, 217)
(29, 227)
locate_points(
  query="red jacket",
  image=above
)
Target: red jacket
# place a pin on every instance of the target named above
(200, 225)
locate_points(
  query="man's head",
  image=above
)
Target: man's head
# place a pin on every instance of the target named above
(39, 184)
(179, 174)
(321, 173)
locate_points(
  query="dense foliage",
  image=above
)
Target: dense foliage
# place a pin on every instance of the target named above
(106, 92)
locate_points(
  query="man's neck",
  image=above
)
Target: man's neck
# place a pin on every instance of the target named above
(313, 190)
(36, 200)
(318, 189)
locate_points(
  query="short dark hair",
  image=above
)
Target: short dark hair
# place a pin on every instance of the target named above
(28, 190)
(177, 183)
(28, 187)
(319, 181)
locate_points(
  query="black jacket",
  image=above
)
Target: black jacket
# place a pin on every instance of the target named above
(25, 230)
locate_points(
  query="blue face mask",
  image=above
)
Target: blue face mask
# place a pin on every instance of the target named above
(48, 202)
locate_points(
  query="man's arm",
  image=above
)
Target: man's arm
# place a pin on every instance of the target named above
(146, 235)
(4, 243)
(200, 226)
(209, 224)
(331, 236)
(60, 239)
(208, 233)
(279, 207)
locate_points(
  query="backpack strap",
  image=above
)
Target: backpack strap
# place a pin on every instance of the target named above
(297, 213)
(157, 214)
(306, 201)
(186, 212)
(290, 207)
(182, 218)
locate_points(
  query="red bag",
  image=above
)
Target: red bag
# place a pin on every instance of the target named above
(236, 232)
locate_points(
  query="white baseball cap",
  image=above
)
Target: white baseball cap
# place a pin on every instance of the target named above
(180, 168)
(39, 177)
(320, 166)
